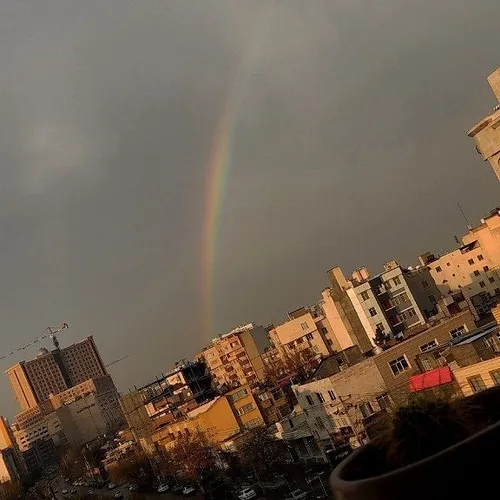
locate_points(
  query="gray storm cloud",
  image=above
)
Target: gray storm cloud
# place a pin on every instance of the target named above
(348, 147)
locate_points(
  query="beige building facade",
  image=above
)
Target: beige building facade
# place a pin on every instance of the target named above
(303, 332)
(477, 377)
(51, 372)
(341, 314)
(76, 416)
(486, 133)
(473, 268)
(235, 359)
(336, 407)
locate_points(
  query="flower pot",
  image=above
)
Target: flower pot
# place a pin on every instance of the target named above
(467, 469)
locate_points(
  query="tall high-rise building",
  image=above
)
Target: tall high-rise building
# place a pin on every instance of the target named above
(52, 372)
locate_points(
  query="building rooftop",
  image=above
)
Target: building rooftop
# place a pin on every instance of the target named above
(203, 408)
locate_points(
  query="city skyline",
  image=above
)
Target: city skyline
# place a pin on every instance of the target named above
(347, 147)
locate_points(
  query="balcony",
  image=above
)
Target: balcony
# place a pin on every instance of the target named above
(381, 290)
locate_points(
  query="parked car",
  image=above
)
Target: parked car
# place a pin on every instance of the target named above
(297, 495)
(65, 492)
(133, 488)
(118, 494)
(188, 490)
(90, 492)
(111, 486)
(74, 491)
(247, 494)
(163, 488)
(274, 485)
(177, 488)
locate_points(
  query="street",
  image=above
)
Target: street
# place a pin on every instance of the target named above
(59, 484)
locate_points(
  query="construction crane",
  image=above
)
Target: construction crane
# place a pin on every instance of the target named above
(56, 329)
(52, 330)
(116, 361)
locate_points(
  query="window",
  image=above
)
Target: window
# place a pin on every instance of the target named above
(320, 397)
(300, 340)
(319, 423)
(329, 342)
(438, 269)
(448, 264)
(428, 345)
(309, 336)
(480, 257)
(476, 383)
(397, 281)
(238, 395)
(255, 422)
(491, 279)
(471, 261)
(476, 273)
(388, 285)
(425, 284)
(380, 326)
(366, 409)
(458, 331)
(309, 400)
(497, 291)
(372, 311)
(304, 326)
(324, 330)
(332, 395)
(365, 295)
(245, 409)
(486, 269)
(432, 299)
(495, 377)
(482, 284)
(384, 401)
(399, 365)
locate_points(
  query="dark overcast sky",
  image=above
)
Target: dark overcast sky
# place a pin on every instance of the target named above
(349, 149)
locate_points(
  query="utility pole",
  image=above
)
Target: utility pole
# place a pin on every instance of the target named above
(346, 413)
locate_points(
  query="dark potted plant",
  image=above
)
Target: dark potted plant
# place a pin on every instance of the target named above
(432, 448)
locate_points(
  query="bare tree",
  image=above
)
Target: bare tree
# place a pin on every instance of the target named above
(192, 454)
(298, 362)
(262, 453)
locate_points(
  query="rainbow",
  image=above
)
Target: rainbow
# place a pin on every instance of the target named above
(215, 194)
(219, 164)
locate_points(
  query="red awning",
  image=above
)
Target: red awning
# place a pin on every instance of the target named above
(431, 378)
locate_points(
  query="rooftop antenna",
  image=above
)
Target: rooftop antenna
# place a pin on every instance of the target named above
(464, 216)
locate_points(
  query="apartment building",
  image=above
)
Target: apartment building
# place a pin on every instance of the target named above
(222, 421)
(12, 465)
(297, 434)
(51, 372)
(340, 313)
(337, 407)
(235, 359)
(473, 267)
(302, 332)
(486, 133)
(76, 416)
(341, 404)
(245, 407)
(394, 300)
(276, 402)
